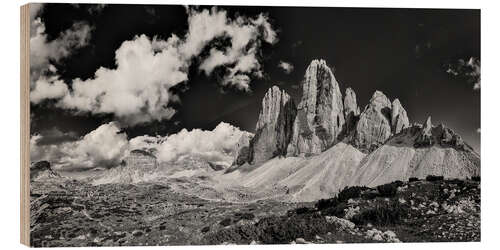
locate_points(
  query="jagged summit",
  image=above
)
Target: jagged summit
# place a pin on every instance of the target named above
(323, 118)
(343, 146)
(374, 125)
(273, 129)
(320, 116)
(399, 118)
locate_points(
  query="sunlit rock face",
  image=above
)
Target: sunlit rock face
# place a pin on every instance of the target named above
(274, 127)
(320, 118)
(399, 118)
(374, 125)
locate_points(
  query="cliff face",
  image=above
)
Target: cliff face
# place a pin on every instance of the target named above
(320, 116)
(399, 118)
(273, 130)
(374, 125)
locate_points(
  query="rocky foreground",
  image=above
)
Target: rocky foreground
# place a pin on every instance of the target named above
(71, 213)
(432, 210)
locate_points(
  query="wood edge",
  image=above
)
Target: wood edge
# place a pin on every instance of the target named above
(25, 125)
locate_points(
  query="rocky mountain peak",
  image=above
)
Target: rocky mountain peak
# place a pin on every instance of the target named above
(427, 125)
(399, 118)
(273, 129)
(379, 100)
(374, 125)
(320, 118)
(439, 135)
(272, 103)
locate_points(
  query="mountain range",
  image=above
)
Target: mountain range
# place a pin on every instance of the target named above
(310, 150)
(326, 142)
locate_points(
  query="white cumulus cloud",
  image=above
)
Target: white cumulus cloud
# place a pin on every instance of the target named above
(43, 51)
(106, 146)
(215, 145)
(102, 147)
(138, 89)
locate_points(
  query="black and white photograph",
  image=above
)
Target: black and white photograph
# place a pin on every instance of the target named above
(163, 125)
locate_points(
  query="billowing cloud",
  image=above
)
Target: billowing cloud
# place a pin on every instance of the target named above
(103, 147)
(286, 67)
(215, 146)
(469, 70)
(106, 146)
(240, 58)
(138, 90)
(44, 52)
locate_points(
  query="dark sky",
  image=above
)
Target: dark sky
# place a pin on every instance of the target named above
(401, 52)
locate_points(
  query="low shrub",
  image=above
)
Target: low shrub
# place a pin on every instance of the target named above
(284, 230)
(382, 215)
(326, 203)
(370, 195)
(275, 230)
(350, 193)
(398, 183)
(337, 210)
(413, 179)
(387, 190)
(343, 196)
(476, 178)
(457, 182)
(434, 178)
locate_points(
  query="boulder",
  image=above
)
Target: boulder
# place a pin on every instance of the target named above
(274, 127)
(320, 117)
(399, 118)
(374, 125)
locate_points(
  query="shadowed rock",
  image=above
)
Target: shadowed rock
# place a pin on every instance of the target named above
(274, 127)
(351, 110)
